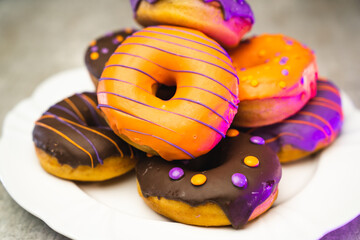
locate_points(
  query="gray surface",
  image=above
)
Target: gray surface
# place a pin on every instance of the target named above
(39, 38)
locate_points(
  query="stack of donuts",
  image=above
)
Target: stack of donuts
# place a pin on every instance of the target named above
(204, 115)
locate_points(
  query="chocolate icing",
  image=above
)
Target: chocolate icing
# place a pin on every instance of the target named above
(218, 166)
(105, 46)
(320, 120)
(231, 8)
(78, 119)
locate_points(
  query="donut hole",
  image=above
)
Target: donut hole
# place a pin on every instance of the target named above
(164, 92)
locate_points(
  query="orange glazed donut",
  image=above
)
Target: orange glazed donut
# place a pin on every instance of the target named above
(277, 78)
(195, 118)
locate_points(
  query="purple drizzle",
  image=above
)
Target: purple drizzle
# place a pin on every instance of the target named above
(231, 8)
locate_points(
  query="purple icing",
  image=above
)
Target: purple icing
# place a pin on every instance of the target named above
(231, 8)
(239, 180)
(176, 173)
(257, 140)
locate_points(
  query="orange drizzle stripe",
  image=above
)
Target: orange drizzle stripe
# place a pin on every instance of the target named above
(68, 139)
(283, 134)
(306, 123)
(75, 109)
(92, 103)
(89, 129)
(326, 101)
(320, 119)
(329, 105)
(329, 88)
(131, 152)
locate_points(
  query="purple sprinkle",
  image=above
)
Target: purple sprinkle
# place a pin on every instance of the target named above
(277, 54)
(302, 80)
(283, 60)
(176, 173)
(289, 42)
(94, 48)
(242, 69)
(115, 41)
(109, 34)
(239, 180)
(257, 140)
(285, 72)
(104, 50)
(267, 60)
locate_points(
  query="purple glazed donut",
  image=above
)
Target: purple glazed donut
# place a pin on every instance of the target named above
(313, 128)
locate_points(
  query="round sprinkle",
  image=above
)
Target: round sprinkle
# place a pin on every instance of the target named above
(285, 72)
(242, 69)
(94, 48)
(198, 179)
(109, 34)
(93, 43)
(254, 83)
(282, 84)
(128, 30)
(302, 80)
(232, 132)
(239, 180)
(94, 56)
(288, 42)
(119, 38)
(251, 161)
(257, 140)
(303, 95)
(115, 41)
(104, 50)
(149, 155)
(283, 60)
(176, 173)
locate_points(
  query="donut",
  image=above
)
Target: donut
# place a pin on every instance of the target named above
(192, 121)
(100, 49)
(277, 78)
(229, 20)
(73, 141)
(232, 184)
(313, 128)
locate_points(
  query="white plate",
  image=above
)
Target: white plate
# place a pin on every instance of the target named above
(316, 195)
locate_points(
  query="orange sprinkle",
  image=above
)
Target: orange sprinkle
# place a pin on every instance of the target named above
(254, 83)
(282, 84)
(251, 161)
(119, 38)
(93, 43)
(128, 30)
(232, 132)
(198, 179)
(94, 55)
(149, 155)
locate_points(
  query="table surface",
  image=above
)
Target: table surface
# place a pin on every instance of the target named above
(39, 38)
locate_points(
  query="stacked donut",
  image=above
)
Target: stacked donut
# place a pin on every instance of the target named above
(203, 114)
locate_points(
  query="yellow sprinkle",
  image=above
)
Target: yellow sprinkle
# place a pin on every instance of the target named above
(93, 43)
(94, 55)
(119, 38)
(232, 132)
(262, 53)
(254, 83)
(288, 47)
(198, 179)
(267, 68)
(282, 84)
(251, 161)
(243, 79)
(128, 30)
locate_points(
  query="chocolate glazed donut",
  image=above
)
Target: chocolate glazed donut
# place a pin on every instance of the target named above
(239, 174)
(73, 141)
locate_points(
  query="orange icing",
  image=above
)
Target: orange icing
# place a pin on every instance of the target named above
(195, 119)
(272, 66)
